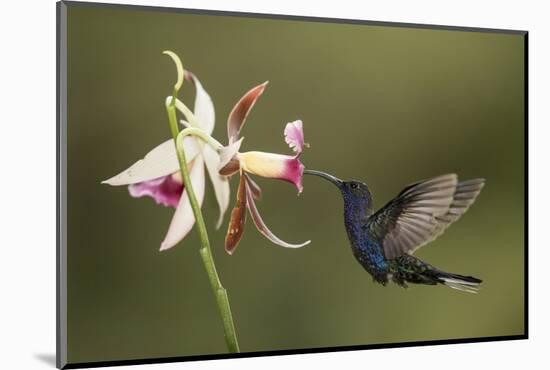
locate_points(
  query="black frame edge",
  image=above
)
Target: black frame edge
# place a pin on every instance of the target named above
(290, 352)
(526, 179)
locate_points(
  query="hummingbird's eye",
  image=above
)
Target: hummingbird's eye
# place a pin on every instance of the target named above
(353, 185)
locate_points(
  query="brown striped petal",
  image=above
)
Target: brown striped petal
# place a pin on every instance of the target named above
(238, 217)
(231, 168)
(253, 187)
(262, 227)
(240, 111)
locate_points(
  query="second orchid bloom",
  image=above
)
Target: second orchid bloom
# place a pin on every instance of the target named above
(270, 165)
(157, 175)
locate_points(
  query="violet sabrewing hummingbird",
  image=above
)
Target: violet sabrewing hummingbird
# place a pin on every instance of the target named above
(383, 241)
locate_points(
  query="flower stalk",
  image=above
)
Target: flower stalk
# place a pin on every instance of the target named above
(219, 291)
(197, 132)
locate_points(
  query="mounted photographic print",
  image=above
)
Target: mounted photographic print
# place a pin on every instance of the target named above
(235, 184)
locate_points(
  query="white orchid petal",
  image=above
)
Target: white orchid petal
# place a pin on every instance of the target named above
(183, 219)
(227, 153)
(204, 108)
(161, 161)
(220, 183)
(203, 115)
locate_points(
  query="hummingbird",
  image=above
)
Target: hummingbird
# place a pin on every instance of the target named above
(383, 242)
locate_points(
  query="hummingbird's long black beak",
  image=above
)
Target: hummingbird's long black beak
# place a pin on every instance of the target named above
(335, 180)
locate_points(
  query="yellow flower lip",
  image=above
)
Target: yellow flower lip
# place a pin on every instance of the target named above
(269, 165)
(272, 165)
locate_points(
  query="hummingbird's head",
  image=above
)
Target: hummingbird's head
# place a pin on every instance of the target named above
(353, 192)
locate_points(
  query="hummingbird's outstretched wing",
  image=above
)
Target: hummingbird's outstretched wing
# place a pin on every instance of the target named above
(421, 212)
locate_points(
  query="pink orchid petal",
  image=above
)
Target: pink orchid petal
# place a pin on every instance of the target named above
(164, 190)
(220, 183)
(240, 111)
(159, 162)
(271, 165)
(183, 219)
(294, 136)
(261, 226)
(235, 229)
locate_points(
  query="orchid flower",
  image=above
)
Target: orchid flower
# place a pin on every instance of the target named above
(157, 175)
(270, 165)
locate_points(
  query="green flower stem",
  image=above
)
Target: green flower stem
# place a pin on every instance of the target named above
(205, 251)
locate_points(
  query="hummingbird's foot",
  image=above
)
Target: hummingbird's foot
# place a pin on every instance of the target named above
(399, 281)
(375, 280)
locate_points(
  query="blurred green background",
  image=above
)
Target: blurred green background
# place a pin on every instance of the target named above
(386, 105)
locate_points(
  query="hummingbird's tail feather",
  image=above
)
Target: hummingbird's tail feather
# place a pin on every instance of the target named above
(468, 284)
(409, 269)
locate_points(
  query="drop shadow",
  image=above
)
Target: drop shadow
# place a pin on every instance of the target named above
(47, 358)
